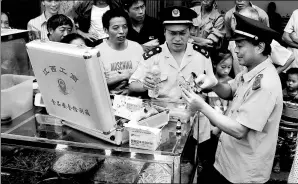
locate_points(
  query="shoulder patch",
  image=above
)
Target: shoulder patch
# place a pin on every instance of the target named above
(151, 53)
(257, 83)
(201, 50)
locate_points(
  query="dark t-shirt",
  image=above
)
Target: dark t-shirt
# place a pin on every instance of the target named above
(152, 29)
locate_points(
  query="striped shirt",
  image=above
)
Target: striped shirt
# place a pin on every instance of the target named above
(290, 110)
(39, 24)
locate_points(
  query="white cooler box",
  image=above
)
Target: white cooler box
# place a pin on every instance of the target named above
(72, 83)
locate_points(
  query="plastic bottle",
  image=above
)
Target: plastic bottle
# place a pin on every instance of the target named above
(178, 126)
(155, 70)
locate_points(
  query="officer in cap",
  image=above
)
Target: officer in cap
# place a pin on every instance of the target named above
(176, 57)
(246, 147)
(178, 60)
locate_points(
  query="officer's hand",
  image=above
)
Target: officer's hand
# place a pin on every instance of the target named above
(195, 102)
(149, 82)
(203, 81)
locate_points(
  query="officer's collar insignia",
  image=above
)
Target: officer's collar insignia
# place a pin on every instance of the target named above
(151, 53)
(176, 13)
(257, 83)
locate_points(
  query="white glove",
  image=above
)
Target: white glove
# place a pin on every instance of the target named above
(205, 82)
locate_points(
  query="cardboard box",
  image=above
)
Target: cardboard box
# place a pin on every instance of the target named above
(143, 137)
(146, 134)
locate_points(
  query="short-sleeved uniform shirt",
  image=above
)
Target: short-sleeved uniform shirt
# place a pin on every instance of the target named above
(115, 62)
(292, 26)
(193, 61)
(229, 17)
(257, 105)
(151, 30)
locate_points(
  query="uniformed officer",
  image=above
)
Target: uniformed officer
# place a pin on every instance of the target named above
(248, 140)
(176, 57)
(177, 60)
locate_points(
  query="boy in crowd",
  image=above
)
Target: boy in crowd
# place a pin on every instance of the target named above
(58, 26)
(288, 128)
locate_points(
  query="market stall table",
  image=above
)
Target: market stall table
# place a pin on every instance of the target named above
(38, 140)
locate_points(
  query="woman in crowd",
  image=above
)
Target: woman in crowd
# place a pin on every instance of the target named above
(89, 19)
(119, 56)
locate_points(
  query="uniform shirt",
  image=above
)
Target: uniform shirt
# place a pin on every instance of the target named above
(250, 159)
(39, 24)
(211, 26)
(292, 26)
(115, 61)
(152, 29)
(193, 61)
(229, 17)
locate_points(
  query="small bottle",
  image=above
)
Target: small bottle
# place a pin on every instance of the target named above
(155, 70)
(178, 126)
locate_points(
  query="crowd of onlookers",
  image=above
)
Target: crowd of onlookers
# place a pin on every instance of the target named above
(94, 25)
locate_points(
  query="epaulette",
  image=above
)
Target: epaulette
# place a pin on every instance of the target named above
(201, 50)
(257, 83)
(151, 53)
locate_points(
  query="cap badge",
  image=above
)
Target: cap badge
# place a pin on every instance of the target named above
(176, 13)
